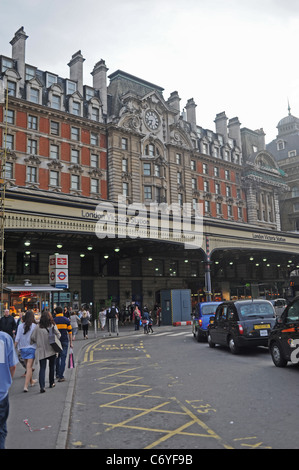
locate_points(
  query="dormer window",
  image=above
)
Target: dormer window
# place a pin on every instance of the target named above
(280, 145)
(6, 64)
(71, 87)
(51, 79)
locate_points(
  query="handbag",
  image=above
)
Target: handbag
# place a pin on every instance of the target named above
(54, 341)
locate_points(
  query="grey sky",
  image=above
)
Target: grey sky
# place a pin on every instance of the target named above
(237, 56)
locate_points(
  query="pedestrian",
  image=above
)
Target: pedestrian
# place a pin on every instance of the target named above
(8, 324)
(8, 364)
(65, 328)
(102, 316)
(159, 315)
(44, 351)
(27, 350)
(85, 322)
(112, 316)
(136, 317)
(75, 320)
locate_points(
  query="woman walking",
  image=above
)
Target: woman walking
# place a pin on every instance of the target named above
(25, 347)
(44, 351)
(75, 320)
(85, 323)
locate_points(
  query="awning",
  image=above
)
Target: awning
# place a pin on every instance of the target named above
(32, 288)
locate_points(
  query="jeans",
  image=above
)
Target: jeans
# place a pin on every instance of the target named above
(61, 360)
(42, 370)
(4, 410)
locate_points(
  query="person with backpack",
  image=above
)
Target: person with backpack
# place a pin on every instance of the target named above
(112, 317)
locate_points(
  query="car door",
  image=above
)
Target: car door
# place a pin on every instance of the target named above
(214, 325)
(289, 331)
(221, 328)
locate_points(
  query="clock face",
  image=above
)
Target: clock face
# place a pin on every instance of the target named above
(152, 119)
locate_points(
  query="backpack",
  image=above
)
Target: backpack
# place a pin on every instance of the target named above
(112, 312)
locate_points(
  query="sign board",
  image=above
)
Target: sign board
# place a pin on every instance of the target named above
(58, 271)
(58, 261)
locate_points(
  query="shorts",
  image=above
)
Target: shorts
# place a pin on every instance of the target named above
(27, 353)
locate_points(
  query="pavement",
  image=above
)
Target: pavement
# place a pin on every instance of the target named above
(41, 420)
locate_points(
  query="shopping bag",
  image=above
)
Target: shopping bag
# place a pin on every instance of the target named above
(71, 359)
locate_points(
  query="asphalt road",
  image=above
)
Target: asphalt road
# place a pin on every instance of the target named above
(166, 391)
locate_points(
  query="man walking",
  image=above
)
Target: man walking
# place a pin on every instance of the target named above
(65, 328)
(8, 363)
(7, 323)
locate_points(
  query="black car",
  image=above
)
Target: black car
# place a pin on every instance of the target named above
(243, 323)
(284, 338)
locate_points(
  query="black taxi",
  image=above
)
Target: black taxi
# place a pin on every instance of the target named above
(243, 323)
(284, 338)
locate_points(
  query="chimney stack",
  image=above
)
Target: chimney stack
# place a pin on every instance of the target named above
(76, 70)
(234, 130)
(221, 125)
(99, 74)
(174, 101)
(18, 52)
(191, 114)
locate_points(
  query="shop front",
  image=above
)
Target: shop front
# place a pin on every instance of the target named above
(36, 297)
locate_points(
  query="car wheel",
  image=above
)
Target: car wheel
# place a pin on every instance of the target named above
(198, 336)
(211, 344)
(234, 349)
(277, 356)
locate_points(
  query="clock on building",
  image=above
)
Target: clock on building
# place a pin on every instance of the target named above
(151, 119)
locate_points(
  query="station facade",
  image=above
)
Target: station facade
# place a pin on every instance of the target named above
(68, 149)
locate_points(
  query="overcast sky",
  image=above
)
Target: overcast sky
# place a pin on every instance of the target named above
(237, 56)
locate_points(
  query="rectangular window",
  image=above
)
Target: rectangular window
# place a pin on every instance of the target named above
(71, 87)
(206, 186)
(93, 138)
(240, 212)
(147, 169)
(207, 207)
(75, 182)
(50, 79)
(193, 165)
(54, 151)
(32, 146)
(124, 143)
(157, 170)
(95, 114)
(216, 171)
(94, 160)
(94, 185)
(56, 102)
(178, 158)
(205, 169)
(194, 183)
(126, 189)
(76, 108)
(124, 165)
(218, 208)
(31, 174)
(89, 93)
(9, 116)
(230, 210)
(228, 191)
(8, 170)
(29, 72)
(227, 175)
(179, 177)
(54, 128)
(9, 141)
(147, 192)
(32, 122)
(27, 263)
(6, 64)
(12, 88)
(75, 156)
(54, 178)
(75, 133)
(180, 199)
(34, 95)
